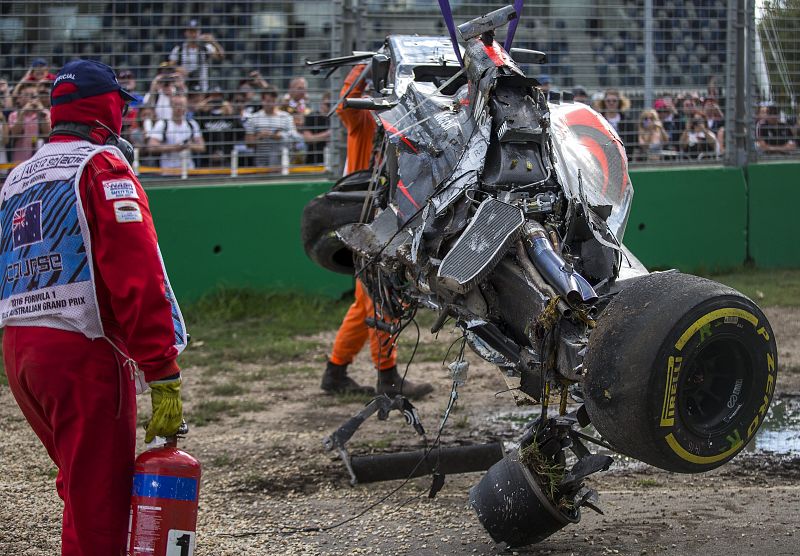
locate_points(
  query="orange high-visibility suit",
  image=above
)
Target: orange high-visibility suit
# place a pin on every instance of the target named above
(353, 332)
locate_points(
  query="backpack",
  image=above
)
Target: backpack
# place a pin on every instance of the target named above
(192, 124)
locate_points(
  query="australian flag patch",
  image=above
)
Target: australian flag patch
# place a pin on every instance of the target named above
(26, 225)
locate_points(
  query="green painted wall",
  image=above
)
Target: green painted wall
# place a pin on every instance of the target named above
(692, 219)
(688, 218)
(774, 196)
(238, 236)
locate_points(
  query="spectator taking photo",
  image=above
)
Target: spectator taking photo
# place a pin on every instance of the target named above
(177, 137)
(194, 54)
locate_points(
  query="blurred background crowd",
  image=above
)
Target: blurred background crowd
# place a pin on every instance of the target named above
(222, 88)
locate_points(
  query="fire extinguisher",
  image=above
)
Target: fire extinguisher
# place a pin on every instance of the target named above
(166, 486)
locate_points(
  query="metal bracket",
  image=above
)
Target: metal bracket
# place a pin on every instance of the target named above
(382, 405)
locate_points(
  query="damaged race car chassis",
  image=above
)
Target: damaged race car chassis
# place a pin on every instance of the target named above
(504, 210)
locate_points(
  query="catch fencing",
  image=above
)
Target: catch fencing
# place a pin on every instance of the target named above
(684, 81)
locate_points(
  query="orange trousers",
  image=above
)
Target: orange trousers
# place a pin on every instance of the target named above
(353, 333)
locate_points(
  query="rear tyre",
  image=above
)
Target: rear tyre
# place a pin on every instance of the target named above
(680, 372)
(357, 181)
(322, 216)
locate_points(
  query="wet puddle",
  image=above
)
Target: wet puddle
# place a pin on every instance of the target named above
(780, 433)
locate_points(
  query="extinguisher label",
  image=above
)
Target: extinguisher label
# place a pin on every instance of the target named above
(162, 486)
(180, 543)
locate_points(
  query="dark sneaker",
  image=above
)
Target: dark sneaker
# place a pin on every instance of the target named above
(391, 383)
(336, 381)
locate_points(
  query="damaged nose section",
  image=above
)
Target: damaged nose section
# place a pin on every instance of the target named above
(530, 494)
(512, 507)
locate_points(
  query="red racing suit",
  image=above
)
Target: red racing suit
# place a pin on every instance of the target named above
(78, 394)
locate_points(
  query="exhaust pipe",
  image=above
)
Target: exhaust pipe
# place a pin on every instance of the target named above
(556, 271)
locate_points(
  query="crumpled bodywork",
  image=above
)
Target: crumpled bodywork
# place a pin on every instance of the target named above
(503, 212)
(430, 134)
(591, 161)
(411, 55)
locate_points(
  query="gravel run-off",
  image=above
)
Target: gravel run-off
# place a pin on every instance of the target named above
(265, 472)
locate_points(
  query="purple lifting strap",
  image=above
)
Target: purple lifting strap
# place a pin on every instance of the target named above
(451, 27)
(512, 28)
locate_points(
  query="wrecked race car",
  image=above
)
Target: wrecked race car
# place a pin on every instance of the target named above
(504, 211)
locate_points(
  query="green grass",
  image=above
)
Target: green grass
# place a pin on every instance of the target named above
(280, 373)
(647, 483)
(766, 287)
(461, 423)
(298, 371)
(227, 389)
(353, 397)
(345, 398)
(210, 411)
(428, 352)
(222, 460)
(243, 326)
(549, 472)
(425, 319)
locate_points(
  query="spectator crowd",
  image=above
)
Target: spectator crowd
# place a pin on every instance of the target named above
(687, 126)
(183, 121)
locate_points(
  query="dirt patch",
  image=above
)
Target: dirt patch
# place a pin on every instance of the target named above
(265, 473)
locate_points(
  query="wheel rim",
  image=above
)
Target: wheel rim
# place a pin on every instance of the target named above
(714, 385)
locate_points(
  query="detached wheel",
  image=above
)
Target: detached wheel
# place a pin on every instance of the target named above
(323, 215)
(680, 372)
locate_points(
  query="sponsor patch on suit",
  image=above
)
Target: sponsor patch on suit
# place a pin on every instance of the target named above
(120, 189)
(127, 211)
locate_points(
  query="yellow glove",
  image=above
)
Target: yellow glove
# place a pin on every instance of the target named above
(167, 409)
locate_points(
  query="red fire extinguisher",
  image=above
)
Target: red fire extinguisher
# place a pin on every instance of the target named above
(166, 485)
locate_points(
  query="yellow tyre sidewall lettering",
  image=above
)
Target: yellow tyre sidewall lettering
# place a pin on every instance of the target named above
(673, 443)
(711, 317)
(672, 368)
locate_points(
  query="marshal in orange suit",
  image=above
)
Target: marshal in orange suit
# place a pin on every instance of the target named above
(354, 332)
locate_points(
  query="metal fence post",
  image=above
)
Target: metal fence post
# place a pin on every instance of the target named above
(738, 142)
(341, 45)
(185, 164)
(750, 80)
(135, 164)
(731, 94)
(649, 58)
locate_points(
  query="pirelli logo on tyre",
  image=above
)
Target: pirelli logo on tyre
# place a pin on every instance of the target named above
(744, 414)
(670, 391)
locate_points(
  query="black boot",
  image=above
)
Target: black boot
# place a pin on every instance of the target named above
(336, 381)
(391, 383)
